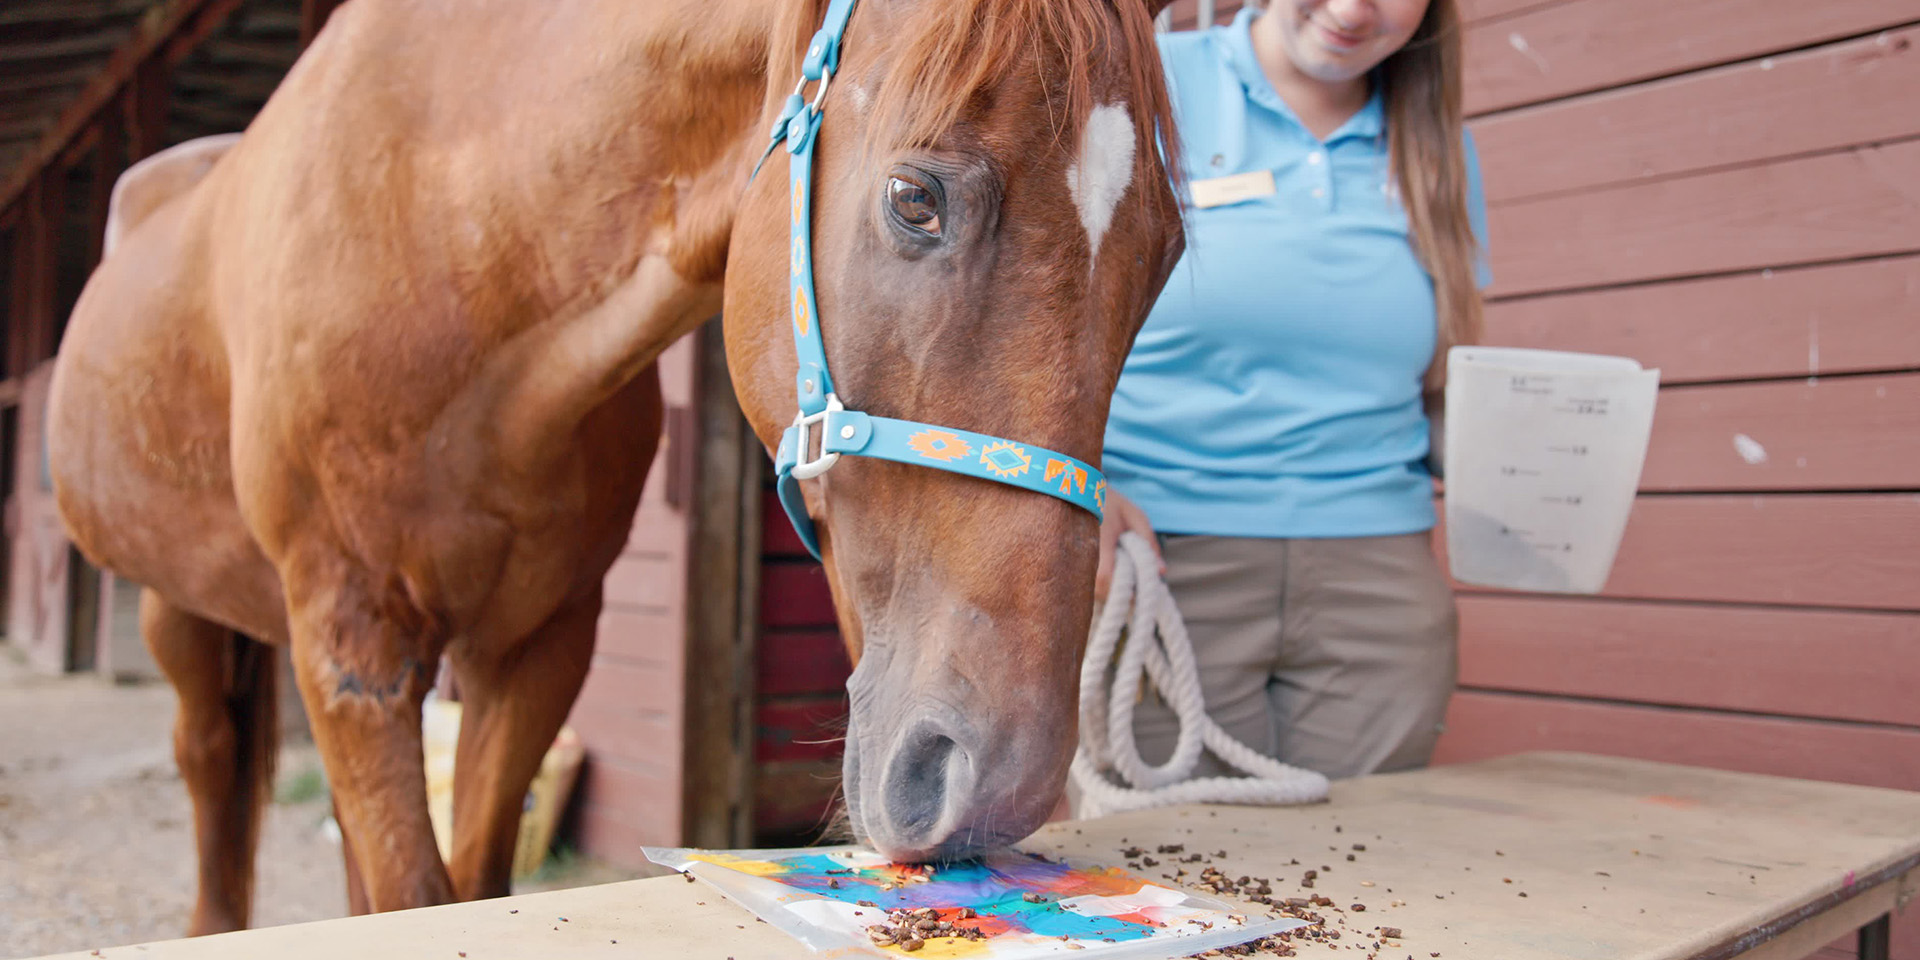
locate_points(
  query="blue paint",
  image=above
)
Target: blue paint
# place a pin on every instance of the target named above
(995, 892)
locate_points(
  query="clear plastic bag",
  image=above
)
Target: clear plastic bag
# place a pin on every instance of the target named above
(1543, 456)
(1025, 904)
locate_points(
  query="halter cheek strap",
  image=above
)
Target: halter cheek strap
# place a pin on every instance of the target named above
(844, 432)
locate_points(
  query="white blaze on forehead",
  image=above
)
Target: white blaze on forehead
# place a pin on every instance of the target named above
(1100, 177)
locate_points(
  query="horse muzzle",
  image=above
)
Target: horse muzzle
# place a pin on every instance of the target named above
(936, 787)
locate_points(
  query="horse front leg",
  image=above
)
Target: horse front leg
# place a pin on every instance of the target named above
(512, 704)
(363, 676)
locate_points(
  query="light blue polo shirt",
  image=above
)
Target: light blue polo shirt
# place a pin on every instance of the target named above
(1275, 390)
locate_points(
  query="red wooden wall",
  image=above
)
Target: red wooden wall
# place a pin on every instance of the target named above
(800, 702)
(630, 714)
(1730, 192)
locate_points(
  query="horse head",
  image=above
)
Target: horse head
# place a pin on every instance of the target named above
(992, 215)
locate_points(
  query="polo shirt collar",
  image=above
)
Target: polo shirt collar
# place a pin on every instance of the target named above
(1245, 64)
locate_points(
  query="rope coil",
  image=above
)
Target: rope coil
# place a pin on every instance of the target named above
(1107, 767)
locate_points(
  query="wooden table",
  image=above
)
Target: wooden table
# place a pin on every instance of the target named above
(1546, 855)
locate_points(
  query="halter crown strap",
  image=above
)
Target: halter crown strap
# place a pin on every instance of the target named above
(844, 432)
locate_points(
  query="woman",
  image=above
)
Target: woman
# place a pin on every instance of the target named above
(1271, 423)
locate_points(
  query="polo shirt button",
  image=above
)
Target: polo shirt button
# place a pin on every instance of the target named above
(1314, 158)
(1319, 192)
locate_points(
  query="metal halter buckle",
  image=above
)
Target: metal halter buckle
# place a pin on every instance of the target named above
(803, 468)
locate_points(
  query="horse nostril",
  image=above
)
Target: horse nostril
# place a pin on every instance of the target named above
(917, 786)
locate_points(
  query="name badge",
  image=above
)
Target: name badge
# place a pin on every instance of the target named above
(1220, 191)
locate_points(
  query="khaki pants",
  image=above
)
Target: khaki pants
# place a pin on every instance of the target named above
(1335, 655)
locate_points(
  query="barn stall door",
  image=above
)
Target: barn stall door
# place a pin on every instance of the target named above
(40, 561)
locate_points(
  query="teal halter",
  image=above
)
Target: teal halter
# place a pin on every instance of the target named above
(850, 432)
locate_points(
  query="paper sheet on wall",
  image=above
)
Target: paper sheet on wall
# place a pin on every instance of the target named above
(1021, 905)
(1543, 455)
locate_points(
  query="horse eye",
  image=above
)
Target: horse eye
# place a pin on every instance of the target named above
(915, 205)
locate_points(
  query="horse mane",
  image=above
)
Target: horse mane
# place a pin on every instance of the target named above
(956, 50)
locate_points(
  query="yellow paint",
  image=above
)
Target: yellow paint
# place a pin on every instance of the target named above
(947, 947)
(756, 868)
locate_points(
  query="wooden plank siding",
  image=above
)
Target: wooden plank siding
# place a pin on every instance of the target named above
(1729, 192)
(1829, 97)
(1781, 661)
(1855, 317)
(1495, 724)
(1862, 202)
(1856, 551)
(804, 661)
(1779, 435)
(1561, 49)
(1480, 11)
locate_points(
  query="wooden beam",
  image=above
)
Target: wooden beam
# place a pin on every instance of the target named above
(83, 45)
(20, 13)
(46, 214)
(179, 26)
(718, 729)
(79, 147)
(313, 16)
(144, 109)
(19, 293)
(109, 161)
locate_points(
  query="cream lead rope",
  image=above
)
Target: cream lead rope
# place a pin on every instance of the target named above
(1107, 768)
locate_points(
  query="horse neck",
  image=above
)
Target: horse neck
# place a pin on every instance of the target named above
(638, 221)
(693, 103)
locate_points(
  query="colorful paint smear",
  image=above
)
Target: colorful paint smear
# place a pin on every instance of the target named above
(1025, 904)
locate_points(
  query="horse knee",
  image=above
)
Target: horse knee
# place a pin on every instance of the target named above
(205, 748)
(365, 685)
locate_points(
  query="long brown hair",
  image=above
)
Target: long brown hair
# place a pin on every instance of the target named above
(1421, 85)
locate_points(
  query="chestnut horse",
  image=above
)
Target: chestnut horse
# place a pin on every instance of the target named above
(375, 380)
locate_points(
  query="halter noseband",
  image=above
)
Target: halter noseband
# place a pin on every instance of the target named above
(851, 432)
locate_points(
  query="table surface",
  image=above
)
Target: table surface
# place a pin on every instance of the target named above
(1542, 855)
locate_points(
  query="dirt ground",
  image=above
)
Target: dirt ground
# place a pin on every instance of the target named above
(96, 840)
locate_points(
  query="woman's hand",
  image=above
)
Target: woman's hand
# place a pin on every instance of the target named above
(1121, 517)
